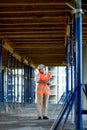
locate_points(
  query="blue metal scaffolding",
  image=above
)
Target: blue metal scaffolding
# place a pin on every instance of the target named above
(71, 57)
(17, 83)
(67, 65)
(26, 89)
(22, 83)
(77, 49)
(14, 89)
(78, 40)
(9, 81)
(28, 84)
(0, 74)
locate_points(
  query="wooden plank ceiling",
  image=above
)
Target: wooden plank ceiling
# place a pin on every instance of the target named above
(35, 30)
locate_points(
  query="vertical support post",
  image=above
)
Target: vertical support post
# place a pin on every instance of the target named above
(72, 66)
(74, 51)
(29, 83)
(75, 64)
(33, 86)
(26, 89)
(22, 82)
(78, 36)
(9, 80)
(14, 82)
(0, 74)
(67, 67)
(71, 59)
(18, 83)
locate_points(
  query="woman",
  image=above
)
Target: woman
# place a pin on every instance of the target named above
(43, 91)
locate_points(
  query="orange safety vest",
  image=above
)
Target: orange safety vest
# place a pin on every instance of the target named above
(43, 88)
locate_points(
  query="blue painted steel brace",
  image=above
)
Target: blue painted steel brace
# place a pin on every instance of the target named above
(33, 86)
(78, 25)
(0, 74)
(14, 82)
(79, 73)
(32, 80)
(22, 83)
(29, 83)
(26, 84)
(67, 67)
(9, 80)
(18, 95)
(71, 59)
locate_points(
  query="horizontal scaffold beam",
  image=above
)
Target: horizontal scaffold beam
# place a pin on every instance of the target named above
(11, 50)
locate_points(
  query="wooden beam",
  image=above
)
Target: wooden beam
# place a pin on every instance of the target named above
(36, 40)
(33, 23)
(31, 36)
(30, 28)
(11, 50)
(32, 3)
(32, 19)
(38, 45)
(49, 42)
(32, 32)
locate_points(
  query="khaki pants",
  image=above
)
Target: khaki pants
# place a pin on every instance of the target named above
(42, 104)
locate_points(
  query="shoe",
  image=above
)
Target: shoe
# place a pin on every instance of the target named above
(45, 117)
(39, 117)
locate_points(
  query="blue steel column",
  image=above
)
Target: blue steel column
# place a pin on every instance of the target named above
(78, 36)
(26, 89)
(67, 65)
(33, 85)
(71, 59)
(15, 81)
(18, 95)
(29, 83)
(0, 74)
(75, 64)
(22, 82)
(9, 79)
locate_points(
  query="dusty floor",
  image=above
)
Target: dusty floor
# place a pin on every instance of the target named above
(25, 118)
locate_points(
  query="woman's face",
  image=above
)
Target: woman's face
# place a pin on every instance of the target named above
(42, 70)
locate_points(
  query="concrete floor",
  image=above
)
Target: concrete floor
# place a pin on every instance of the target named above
(25, 118)
(23, 123)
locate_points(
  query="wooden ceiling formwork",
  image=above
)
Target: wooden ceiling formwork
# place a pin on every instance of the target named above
(35, 30)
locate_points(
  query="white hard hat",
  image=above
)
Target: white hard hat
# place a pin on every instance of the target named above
(41, 66)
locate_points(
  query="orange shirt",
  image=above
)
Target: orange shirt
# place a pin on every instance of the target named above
(43, 87)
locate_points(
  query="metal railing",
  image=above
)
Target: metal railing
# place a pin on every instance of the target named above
(68, 100)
